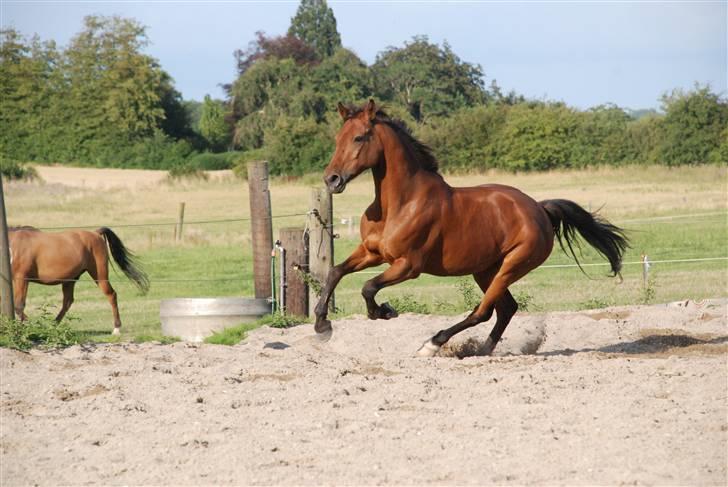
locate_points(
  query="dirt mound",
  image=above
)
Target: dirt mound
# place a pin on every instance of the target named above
(623, 395)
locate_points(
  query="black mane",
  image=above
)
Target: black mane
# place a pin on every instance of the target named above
(421, 151)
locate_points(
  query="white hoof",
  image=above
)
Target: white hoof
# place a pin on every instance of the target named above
(428, 349)
(116, 331)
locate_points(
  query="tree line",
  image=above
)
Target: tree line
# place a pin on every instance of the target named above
(102, 101)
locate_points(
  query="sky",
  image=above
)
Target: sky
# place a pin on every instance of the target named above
(584, 53)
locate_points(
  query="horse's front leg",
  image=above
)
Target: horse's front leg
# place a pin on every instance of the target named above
(360, 259)
(400, 270)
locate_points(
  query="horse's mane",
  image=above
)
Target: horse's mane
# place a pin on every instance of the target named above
(23, 227)
(421, 151)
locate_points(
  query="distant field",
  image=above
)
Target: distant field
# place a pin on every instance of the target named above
(215, 258)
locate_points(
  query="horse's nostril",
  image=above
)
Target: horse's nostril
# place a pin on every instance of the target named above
(333, 179)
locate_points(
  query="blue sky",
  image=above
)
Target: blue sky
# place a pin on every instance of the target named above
(583, 53)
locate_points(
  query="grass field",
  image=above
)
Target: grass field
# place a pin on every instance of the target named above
(671, 214)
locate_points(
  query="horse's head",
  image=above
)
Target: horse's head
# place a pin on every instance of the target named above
(357, 148)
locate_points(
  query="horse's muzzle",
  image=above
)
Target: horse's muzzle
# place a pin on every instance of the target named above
(335, 183)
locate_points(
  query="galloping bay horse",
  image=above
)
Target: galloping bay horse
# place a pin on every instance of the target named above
(62, 257)
(418, 223)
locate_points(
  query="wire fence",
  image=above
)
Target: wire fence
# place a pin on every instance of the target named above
(347, 222)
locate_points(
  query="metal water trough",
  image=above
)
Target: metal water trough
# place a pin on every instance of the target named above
(194, 319)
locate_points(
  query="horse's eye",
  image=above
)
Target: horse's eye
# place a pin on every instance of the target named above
(359, 138)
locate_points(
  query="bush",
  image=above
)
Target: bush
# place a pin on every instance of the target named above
(208, 161)
(14, 170)
(693, 126)
(43, 332)
(296, 146)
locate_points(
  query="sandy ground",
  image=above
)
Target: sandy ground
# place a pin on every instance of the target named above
(619, 396)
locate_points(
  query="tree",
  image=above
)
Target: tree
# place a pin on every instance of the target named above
(315, 24)
(693, 126)
(213, 127)
(281, 47)
(427, 79)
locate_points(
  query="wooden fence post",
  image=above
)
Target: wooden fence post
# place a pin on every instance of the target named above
(7, 304)
(261, 226)
(295, 241)
(180, 222)
(321, 239)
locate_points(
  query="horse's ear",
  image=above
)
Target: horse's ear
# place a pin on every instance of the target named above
(343, 111)
(371, 110)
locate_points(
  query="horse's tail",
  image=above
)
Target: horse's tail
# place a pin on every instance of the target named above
(125, 259)
(568, 218)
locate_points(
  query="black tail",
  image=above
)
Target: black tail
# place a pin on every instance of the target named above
(568, 218)
(125, 259)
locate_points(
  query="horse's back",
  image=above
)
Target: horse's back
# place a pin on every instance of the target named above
(52, 256)
(484, 223)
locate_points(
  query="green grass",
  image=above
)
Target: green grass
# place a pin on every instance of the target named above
(235, 334)
(214, 260)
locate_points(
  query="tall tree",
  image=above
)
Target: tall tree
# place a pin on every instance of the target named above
(315, 24)
(212, 124)
(428, 79)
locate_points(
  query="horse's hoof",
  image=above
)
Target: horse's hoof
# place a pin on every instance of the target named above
(388, 312)
(428, 349)
(116, 332)
(325, 336)
(322, 326)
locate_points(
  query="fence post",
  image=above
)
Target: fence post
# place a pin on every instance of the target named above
(261, 226)
(7, 304)
(180, 222)
(294, 240)
(321, 238)
(645, 270)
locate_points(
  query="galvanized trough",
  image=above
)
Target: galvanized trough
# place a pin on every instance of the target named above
(194, 319)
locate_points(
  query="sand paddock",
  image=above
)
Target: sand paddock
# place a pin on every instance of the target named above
(629, 395)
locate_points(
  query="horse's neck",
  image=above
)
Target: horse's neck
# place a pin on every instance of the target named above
(398, 176)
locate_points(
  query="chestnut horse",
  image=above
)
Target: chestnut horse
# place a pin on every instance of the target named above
(418, 223)
(62, 257)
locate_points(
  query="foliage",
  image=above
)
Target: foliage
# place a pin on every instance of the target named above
(208, 161)
(212, 125)
(236, 334)
(102, 101)
(427, 79)
(469, 293)
(524, 301)
(42, 332)
(14, 170)
(281, 47)
(98, 101)
(649, 290)
(596, 303)
(296, 146)
(315, 25)
(407, 303)
(694, 126)
(186, 172)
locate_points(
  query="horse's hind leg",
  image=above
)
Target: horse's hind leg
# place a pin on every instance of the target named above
(20, 292)
(101, 276)
(67, 299)
(496, 297)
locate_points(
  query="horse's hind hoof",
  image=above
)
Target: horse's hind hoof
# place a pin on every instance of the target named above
(116, 332)
(428, 349)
